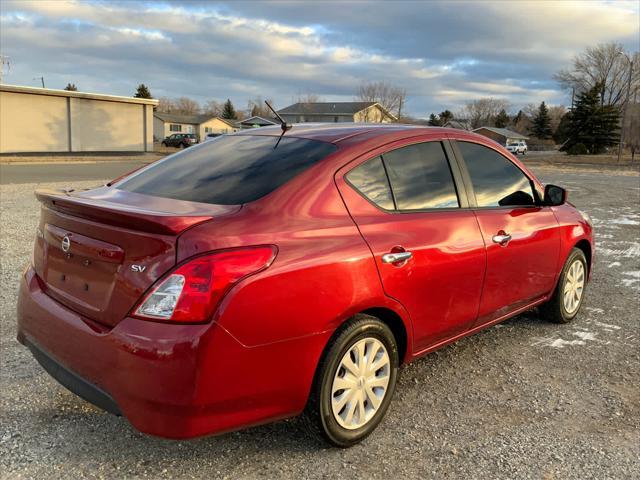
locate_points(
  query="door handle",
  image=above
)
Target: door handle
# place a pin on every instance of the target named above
(501, 238)
(396, 257)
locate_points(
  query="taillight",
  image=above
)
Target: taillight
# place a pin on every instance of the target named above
(192, 291)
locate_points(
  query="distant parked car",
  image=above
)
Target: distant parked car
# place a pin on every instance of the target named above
(211, 136)
(517, 147)
(180, 140)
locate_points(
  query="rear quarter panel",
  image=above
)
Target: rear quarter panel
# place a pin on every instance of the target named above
(323, 273)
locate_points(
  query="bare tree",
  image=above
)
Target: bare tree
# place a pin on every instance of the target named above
(181, 106)
(391, 97)
(482, 112)
(165, 105)
(632, 129)
(308, 98)
(257, 107)
(213, 108)
(602, 64)
(556, 112)
(186, 106)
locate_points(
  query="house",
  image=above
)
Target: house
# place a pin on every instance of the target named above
(458, 124)
(501, 135)
(336, 112)
(44, 120)
(165, 124)
(255, 122)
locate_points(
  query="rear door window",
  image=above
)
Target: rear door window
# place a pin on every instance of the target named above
(420, 177)
(229, 170)
(371, 180)
(497, 182)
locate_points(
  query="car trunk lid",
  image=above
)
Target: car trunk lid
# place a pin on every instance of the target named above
(98, 251)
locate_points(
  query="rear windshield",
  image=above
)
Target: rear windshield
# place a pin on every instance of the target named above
(229, 170)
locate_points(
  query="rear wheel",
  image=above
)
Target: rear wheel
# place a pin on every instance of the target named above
(354, 382)
(567, 298)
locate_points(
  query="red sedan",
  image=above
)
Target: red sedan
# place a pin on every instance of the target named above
(265, 274)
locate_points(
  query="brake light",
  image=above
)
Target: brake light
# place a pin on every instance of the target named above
(192, 291)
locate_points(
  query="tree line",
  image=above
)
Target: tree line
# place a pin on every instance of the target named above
(601, 81)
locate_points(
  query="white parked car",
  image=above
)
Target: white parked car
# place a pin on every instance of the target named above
(517, 147)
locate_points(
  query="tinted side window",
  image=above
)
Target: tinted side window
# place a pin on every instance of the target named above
(230, 170)
(420, 177)
(371, 180)
(497, 182)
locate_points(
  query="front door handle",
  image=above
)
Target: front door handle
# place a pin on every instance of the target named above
(396, 257)
(502, 238)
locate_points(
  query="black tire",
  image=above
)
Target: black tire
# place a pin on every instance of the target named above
(554, 310)
(318, 413)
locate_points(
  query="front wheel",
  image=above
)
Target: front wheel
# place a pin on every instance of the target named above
(354, 382)
(569, 293)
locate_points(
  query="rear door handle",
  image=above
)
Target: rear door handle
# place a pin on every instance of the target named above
(501, 238)
(396, 257)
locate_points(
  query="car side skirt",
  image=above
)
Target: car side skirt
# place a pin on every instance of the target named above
(518, 311)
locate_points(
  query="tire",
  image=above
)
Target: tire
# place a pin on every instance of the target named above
(164, 144)
(557, 309)
(362, 331)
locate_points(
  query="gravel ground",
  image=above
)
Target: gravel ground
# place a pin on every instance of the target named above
(525, 399)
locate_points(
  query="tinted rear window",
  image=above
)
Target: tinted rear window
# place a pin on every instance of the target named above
(420, 177)
(371, 180)
(229, 170)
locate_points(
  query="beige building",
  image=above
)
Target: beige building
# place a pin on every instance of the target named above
(336, 112)
(165, 124)
(42, 120)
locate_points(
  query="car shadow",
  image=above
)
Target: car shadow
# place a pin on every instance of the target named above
(87, 429)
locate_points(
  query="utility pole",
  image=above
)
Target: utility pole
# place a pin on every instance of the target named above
(626, 102)
(41, 79)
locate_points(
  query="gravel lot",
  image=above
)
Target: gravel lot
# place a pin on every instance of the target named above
(525, 399)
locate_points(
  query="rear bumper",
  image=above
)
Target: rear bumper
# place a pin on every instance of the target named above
(174, 381)
(72, 381)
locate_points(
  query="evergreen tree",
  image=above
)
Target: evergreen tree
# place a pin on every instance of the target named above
(71, 87)
(562, 132)
(228, 111)
(445, 116)
(142, 92)
(502, 119)
(541, 127)
(434, 121)
(593, 124)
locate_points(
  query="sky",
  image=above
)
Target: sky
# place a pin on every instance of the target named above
(443, 53)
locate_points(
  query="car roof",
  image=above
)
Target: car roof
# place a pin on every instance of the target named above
(337, 133)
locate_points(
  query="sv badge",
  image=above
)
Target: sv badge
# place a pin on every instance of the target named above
(138, 268)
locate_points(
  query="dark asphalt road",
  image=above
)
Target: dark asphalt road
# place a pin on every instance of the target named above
(72, 172)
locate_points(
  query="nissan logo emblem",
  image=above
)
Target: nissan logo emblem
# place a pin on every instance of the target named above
(66, 244)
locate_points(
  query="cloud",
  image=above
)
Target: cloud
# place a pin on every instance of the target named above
(444, 54)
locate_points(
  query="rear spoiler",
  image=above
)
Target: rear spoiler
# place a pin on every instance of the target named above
(125, 215)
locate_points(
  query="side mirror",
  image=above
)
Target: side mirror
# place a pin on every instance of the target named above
(554, 195)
